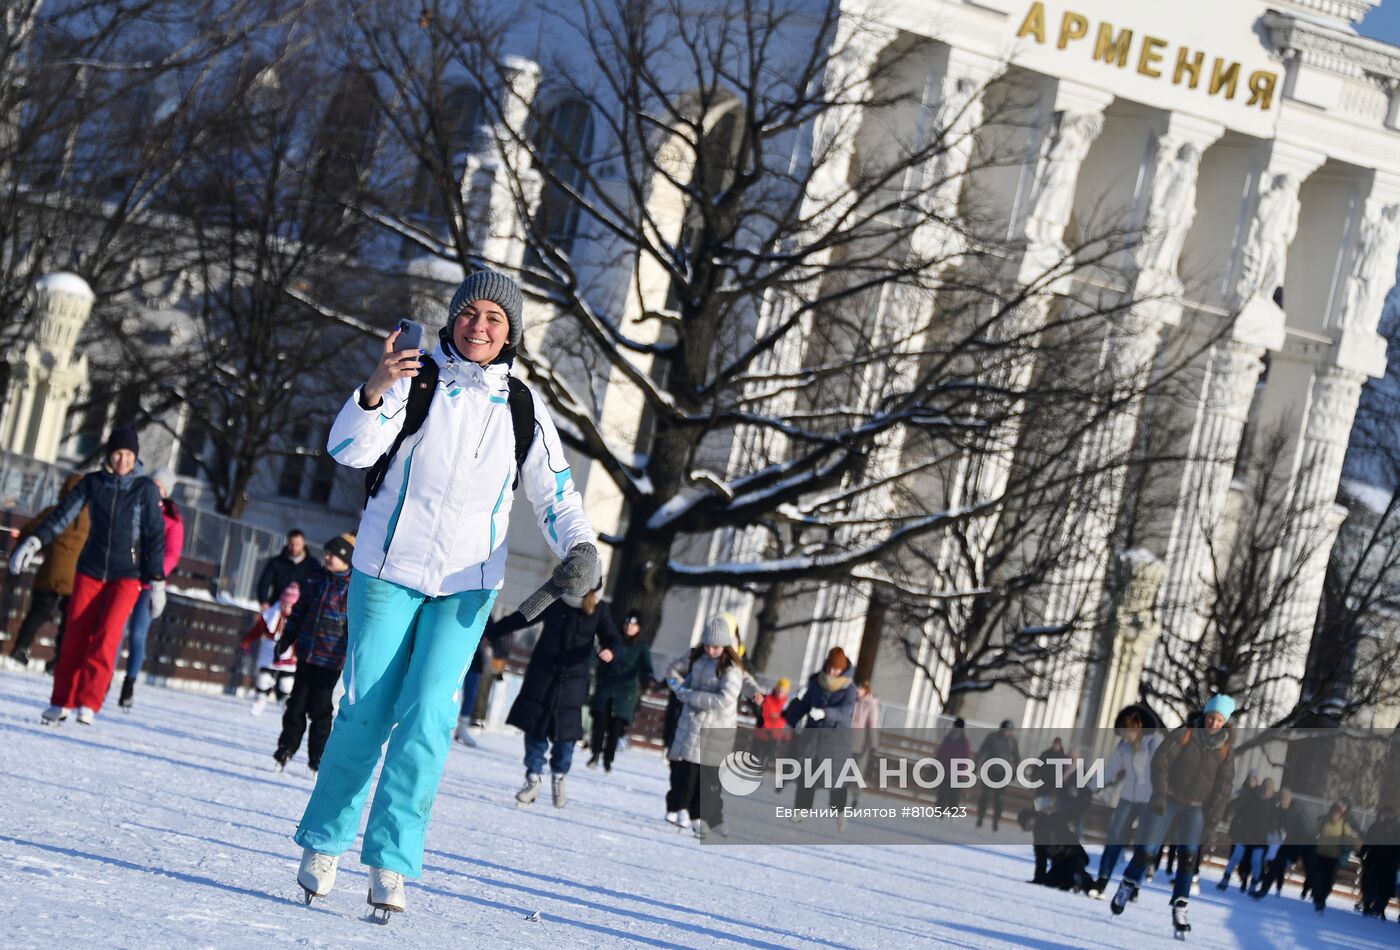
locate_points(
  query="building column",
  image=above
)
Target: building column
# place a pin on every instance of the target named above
(1218, 388)
(1128, 350)
(496, 216)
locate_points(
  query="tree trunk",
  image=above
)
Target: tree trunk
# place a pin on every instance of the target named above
(765, 628)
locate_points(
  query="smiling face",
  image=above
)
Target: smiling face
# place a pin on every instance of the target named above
(1214, 722)
(480, 331)
(122, 461)
(714, 653)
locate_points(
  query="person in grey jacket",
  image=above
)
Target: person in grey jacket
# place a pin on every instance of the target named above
(709, 692)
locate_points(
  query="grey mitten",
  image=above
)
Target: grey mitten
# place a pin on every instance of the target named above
(580, 571)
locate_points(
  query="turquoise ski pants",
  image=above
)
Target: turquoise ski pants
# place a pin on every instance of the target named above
(406, 658)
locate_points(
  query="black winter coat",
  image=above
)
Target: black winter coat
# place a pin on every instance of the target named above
(1380, 859)
(838, 704)
(621, 681)
(280, 571)
(550, 704)
(127, 537)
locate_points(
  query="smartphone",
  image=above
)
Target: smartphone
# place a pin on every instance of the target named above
(410, 336)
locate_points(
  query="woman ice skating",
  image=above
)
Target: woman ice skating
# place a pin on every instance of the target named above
(125, 548)
(617, 692)
(1335, 836)
(549, 708)
(276, 671)
(140, 623)
(1129, 775)
(825, 706)
(316, 631)
(53, 581)
(709, 696)
(1192, 772)
(430, 558)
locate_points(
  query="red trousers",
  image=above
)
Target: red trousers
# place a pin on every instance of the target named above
(97, 616)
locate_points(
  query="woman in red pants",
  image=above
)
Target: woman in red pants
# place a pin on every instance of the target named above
(125, 548)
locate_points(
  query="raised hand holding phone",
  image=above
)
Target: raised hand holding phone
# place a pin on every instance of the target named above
(397, 360)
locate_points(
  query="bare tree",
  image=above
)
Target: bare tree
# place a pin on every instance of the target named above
(1260, 557)
(802, 291)
(98, 110)
(290, 142)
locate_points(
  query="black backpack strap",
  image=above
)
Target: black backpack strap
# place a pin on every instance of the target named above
(420, 397)
(522, 421)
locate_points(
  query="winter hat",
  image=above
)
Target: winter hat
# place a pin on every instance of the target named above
(958, 723)
(1220, 704)
(836, 658)
(123, 437)
(497, 288)
(1006, 724)
(291, 594)
(342, 546)
(719, 631)
(784, 684)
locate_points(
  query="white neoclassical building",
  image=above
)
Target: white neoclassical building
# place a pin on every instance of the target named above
(1257, 143)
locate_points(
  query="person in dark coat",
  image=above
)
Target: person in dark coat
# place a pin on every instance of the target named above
(125, 548)
(1380, 860)
(291, 566)
(955, 746)
(318, 631)
(549, 709)
(1066, 860)
(1297, 827)
(824, 711)
(53, 581)
(1000, 745)
(617, 691)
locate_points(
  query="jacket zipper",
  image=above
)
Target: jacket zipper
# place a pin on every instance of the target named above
(111, 530)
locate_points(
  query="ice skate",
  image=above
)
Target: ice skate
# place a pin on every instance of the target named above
(1127, 891)
(592, 762)
(530, 790)
(462, 735)
(1098, 888)
(20, 658)
(54, 715)
(678, 818)
(1179, 924)
(128, 692)
(317, 873)
(556, 783)
(84, 716)
(281, 758)
(700, 828)
(385, 893)
(259, 705)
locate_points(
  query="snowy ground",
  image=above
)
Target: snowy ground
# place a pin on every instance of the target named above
(166, 827)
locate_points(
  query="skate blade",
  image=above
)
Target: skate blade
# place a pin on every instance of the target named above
(379, 913)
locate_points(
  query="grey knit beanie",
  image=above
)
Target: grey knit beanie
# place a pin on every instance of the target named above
(718, 632)
(497, 288)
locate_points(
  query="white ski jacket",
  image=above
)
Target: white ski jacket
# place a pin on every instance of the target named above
(1136, 764)
(438, 524)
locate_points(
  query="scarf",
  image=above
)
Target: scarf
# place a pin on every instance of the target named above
(832, 684)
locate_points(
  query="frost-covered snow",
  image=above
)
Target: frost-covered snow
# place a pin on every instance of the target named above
(166, 827)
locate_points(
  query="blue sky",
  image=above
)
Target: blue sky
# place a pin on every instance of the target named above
(1383, 22)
